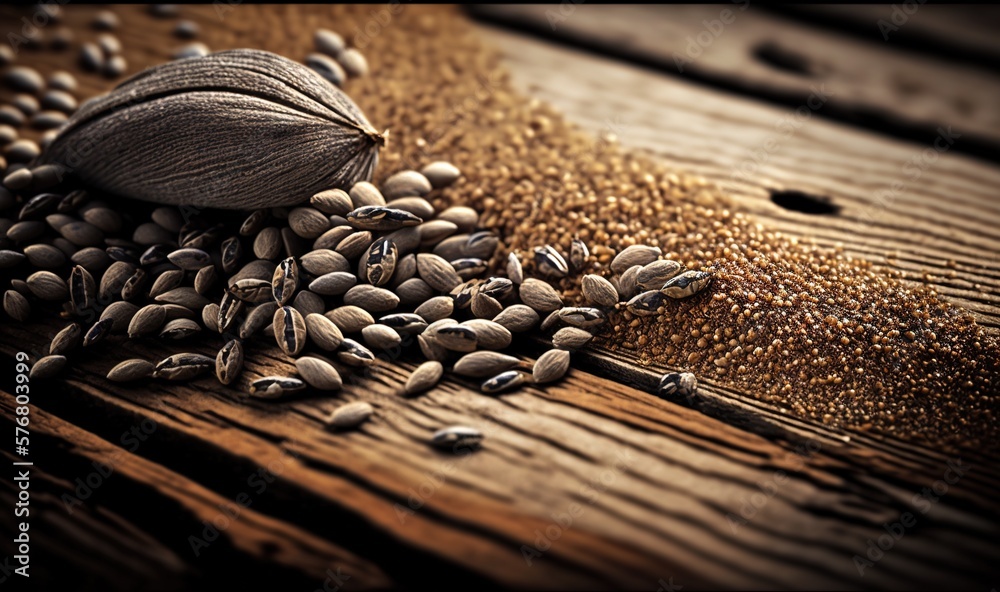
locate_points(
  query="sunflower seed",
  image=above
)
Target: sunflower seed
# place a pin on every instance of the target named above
(482, 244)
(549, 321)
(259, 269)
(184, 366)
(456, 337)
(381, 262)
(514, 269)
(439, 233)
(324, 261)
(464, 293)
(97, 332)
(355, 244)
(327, 67)
(322, 331)
(180, 329)
(481, 364)
(205, 279)
(333, 284)
(365, 194)
(252, 291)
(686, 284)
(10, 258)
(150, 233)
(417, 206)
(135, 284)
(82, 289)
(190, 259)
(25, 231)
(381, 218)
(40, 204)
(582, 316)
(350, 319)
(254, 223)
(285, 281)
(256, 319)
(289, 330)
(21, 151)
(517, 318)
(147, 320)
(353, 353)
(131, 370)
(166, 281)
(683, 384)
(571, 338)
(232, 252)
(155, 255)
(634, 255)
(47, 367)
(435, 309)
(437, 272)
(354, 62)
(539, 295)
(484, 306)
(441, 174)
(457, 439)
(371, 298)
(628, 282)
(599, 291)
(655, 274)
(349, 416)
(406, 183)
(424, 377)
(318, 373)
(431, 349)
(380, 336)
(489, 335)
(578, 254)
(469, 267)
(646, 304)
(48, 286)
(66, 340)
(114, 279)
(16, 305)
(415, 290)
(123, 254)
(497, 287)
(308, 222)
(275, 387)
(332, 202)
(550, 263)
(82, 234)
(267, 243)
(73, 201)
(551, 366)
(230, 307)
(120, 313)
(185, 296)
(504, 381)
(405, 323)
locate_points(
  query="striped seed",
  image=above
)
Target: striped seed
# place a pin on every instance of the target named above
(683, 384)
(353, 353)
(381, 261)
(183, 366)
(686, 284)
(285, 281)
(230, 307)
(131, 370)
(550, 262)
(275, 387)
(381, 218)
(457, 439)
(581, 316)
(289, 330)
(97, 332)
(504, 381)
(514, 270)
(424, 377)
(460, 338)
(578, 254)
(647, 304)
(252, 291)
(232, 252)
(66, 340)
(551, 366)
(180, 329)
(404, 323)
(481, 364)
(597, 290)
(229, 362)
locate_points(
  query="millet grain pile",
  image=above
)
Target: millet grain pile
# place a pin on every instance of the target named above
(808, 330)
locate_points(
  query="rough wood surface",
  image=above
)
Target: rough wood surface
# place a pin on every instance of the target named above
(739, 47)
(736, 496)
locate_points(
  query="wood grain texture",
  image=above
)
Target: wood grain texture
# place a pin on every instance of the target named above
(738, 47)
(931, 217)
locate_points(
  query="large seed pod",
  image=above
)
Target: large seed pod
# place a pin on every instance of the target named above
(239, 129)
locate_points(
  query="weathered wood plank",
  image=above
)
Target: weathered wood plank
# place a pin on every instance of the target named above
(935, 222)
(739, 47)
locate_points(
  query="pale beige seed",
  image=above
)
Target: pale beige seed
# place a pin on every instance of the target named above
(205, 279)
(44, 256)
(289, 330)
(349, 416)
(267, 243)
(47, 367)
(517, 318)
(354, 62)
(66, 340)
(365, 194)
(406, 269)
(307, 303)
(371, 298)
(431, 348)
(210, 317)
(104, 218)
(350, 319)
(308, 222)
(121, 314)
(437, 272)
(380, 336)
(131, 370)
(485, 306)
(82, 234)
(424, 377)
(406, 183)
(179, 328)
(323, 332)
(653, 275)
(441, 174)
(114, 279)
(146, 321)
(597, 290)
(16, 305)
(333, 284)
(481, 364)
(332, 202)
(46, 285)
(433, 232)
(414, 290)
(318, 373)
(514, 269)
(252, 291)
(571, 338)
(417, 206)
(355, 244)
(258, 317)
(437, 308)
(551, 366)
(186, 296)
(634, 255)
(333, 237)
(323, 261)
(539, 295)
(489, 335)
(229, 362)
(628, 282)
(259, 269)
(166, 281)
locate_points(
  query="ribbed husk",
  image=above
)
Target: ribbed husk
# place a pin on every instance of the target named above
(238, 129)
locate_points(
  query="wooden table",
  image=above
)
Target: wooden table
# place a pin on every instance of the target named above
(592, 482)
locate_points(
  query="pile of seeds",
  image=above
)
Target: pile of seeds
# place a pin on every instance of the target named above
(808, 330)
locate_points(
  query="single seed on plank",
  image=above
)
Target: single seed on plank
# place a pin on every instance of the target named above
(683, 384)
(66, 340)
(289, 330)
(349, 416)
(435, 309)
(47, 367)
(285, 281)
(634, 255)
(424, 377)
(275, 387)
(381, 261)
(381, 218)
(686, 284)
(380, 336)
(353, 353)
(350, 319)
(597, 290)
(457, 439)
(504, 381)
(539, 295)
(571, 338)
(514, 270)
(550, 263)
(146, 321)
(183, 366)
(551, 366)
(131, 370)
(517, 318)
(318, 373)
(489, 335)
(481, 364)
(653, 275)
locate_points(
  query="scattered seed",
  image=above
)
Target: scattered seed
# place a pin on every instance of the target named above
(550, 263)
(66, 340)
(646, 304)
(539, 295)
(571, 338)
(441, 174)
(457, 439)
(180, 329)
(414, 290)
(683, 384)
(275, 387)
(350, 319)
(437, 272)
(285, 281)
(404, 323)
(146, 321)
(435, 309)
(289, 330)
(252, 291)
(371, 298)
(381, 262)
(417, 206)
(380, 336)
(381, 218)
(517, 318)
(469, 267)
(482, 245)
(461, 338)
(349, 416)
(686, 284)
(582, 316)
(439, 233)
(324, 261)
(489, 335)
(46, 285)
(204, 280)
(551, 366)
(514, 270)
(16, 306)
(481, 364)
(120, 313)
(504, 381)
(353, 353)
(424, 377)
(485, 306)
(354, 244)
(333, 201)
(131, 370)
(431, 348)
(98, 331)
(634, 255)
(327, 67)
(185, 296)
(354, 62)
(135, 284)
(47, 367)
(183, 366)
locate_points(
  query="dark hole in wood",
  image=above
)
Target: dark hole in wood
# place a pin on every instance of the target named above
(783, 59)
(799, 201)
